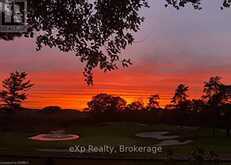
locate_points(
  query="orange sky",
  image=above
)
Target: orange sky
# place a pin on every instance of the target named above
(69, 91)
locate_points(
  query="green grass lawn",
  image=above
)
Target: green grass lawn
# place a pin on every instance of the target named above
(119, 133)
(17, 143)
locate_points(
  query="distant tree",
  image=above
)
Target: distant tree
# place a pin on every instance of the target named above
(153, 102)
(185, 105)
(170, 107)
(226, 114)
(197, 105)
(181, 102)
(119, 103)
(214, 97)
(106, 103)
(86, 109)
(14, 89)
(180, 97)
(135, 106)
(51, 109)
(213, 91)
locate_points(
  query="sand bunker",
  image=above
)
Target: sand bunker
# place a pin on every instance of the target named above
(125, 124)
(157, 135)
(55, 136)
(187, 127)
(173, 142)
(167, 140)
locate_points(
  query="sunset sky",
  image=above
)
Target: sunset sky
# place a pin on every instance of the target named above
(173, 47)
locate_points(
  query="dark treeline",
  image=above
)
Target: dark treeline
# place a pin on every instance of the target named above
(216, 97)
(213, 109)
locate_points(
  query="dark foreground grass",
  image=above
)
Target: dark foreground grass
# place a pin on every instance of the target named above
(119, 134)
(101, 162)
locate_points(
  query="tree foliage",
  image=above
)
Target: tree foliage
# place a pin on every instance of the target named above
(213, 91)
(180, 94)
(136, 106)
(195, 3)
(197, 105)
(215, 98)
(106, 103)
(96, 31)
(14, 89)
(153, 102)
(51, 109)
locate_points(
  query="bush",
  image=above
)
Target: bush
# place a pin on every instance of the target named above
(51, 109)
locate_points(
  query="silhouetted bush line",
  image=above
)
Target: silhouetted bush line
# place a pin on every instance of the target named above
(32, 120)
(203, 119)
(213, 109)
(29, 120)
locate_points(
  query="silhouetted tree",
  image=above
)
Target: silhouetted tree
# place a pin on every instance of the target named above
(153, 102)
(106, 103)
(197, 105)
(119, 103)
(51, 109)
(170, 107)
(96, 30)
(186, 105)
(181, 103)
(14, 89)
(135, 106)
(214, 95)
(180, 96)
(226, 108)
(213, 92)
(195, 3)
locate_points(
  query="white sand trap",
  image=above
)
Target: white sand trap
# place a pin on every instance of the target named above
(156, 135)
(188, 127)
(125, 124)
(49, 137)
(55, 136)
(173, 142)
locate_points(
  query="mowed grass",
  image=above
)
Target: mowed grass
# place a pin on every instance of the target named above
(118, 134)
